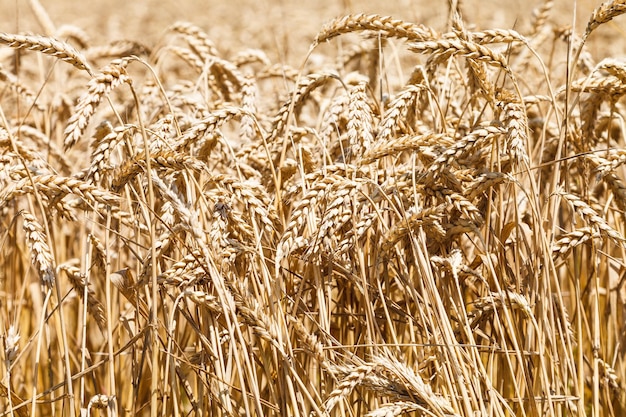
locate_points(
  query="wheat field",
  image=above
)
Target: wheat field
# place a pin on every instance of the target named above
(348, 213)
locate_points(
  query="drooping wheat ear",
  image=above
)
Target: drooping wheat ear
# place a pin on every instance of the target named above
(618, 188)
(302, 211)
(604, 13)
(282, 71)
(385, 25)
(203, 299)
(353, 379)
(404, 383)
(414, 219)
(184, 272)
(360, 120)
(112, 76)
(338, 213)
(465, 207)
(485, 181)
(189, 217)
(20, 89)
(187, 55)
(258, 203)
(48, 46)
(614, 67)
(399, 144)
(356, 233)
(480, 136)
(455, 265)
(593, 218)
(28, 153)
(208, 125)
(227, 76)
(105, 139)
(219, 236)
(503, 299)
(590, 107)
(197, 39)
(605, 167)
(608, 86)
(444, 49)
(94, 306)
(55, 186)
(398, 105)
(99, 253)
(613, 160)
(296, 100)
(41, 255)
(489, 36)
(334, 120)
(252, 313)
(312, 343)
(570, 240)
(161, 159)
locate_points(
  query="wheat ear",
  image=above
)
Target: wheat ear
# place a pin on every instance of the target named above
(103, 83)
(385, 25)
(48, 46)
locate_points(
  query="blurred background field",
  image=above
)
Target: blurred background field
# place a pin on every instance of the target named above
(284, 29)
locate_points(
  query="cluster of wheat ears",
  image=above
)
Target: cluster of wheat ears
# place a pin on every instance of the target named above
(415, 221)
